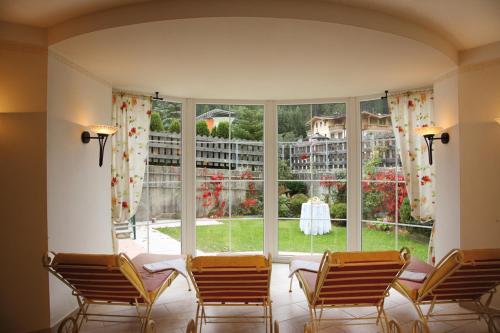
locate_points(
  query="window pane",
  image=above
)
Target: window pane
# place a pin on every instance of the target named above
(230, 164)
(386, 209)
(312, 173)
(378, 237)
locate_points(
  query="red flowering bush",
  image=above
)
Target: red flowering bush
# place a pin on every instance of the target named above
(211, 196)
(379, 194)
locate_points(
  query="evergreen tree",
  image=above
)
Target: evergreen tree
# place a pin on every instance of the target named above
(202, 128)
(156, 125)
(248, 124)
(214, 133)
(175, 126)
(223, 130)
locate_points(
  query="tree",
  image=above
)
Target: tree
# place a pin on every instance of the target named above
(248, 124)
(213, 133)
(202, 128)
(223, 130)
(175, 126)
(156, 125)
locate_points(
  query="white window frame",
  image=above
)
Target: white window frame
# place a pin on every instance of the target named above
(188, 167)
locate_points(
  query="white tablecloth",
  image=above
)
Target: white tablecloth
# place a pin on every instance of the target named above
(315, 218)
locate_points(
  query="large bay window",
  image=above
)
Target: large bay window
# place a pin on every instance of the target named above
(286, 178)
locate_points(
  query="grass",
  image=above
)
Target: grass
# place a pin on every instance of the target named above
(247, 236)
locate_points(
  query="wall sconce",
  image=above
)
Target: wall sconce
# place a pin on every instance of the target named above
(102, 131)
(429, 133)
(497, 120)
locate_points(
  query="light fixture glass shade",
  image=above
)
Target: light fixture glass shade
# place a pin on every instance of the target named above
(497, 120)
(103, 129)
(428, 130)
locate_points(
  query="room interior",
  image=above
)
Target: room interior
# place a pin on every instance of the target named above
(62, 64)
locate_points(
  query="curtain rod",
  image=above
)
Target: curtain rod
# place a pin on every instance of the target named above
(405, 92)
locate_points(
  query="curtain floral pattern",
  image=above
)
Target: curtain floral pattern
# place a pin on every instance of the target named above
(131, 114)
(409, 111)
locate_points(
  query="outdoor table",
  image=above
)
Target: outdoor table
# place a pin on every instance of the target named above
(315, 218)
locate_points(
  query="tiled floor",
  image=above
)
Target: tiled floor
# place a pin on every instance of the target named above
(177, 305)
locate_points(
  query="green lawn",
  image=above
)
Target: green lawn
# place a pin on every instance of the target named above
(247, 235)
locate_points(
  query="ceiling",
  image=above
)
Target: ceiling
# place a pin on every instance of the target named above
(254, 58)
(466, 23)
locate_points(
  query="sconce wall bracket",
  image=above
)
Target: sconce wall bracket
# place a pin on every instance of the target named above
(429, 139)
(86, 137)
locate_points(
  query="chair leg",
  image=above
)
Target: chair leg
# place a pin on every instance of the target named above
(196, 317)
(291, 281)
(271, 317)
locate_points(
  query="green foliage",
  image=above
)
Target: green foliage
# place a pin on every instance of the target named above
(292, 122)
(296, 202)
(213, 133)
(175, 126)
(248, 124)
(284, 171)
(156, 124)
(223, 130)
(372, 201)
(338, 210)
(202, 128)
(405, 211)
(296, 187)
(284, 206)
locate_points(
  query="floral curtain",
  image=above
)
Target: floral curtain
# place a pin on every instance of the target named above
(409, 111)
(131, 114)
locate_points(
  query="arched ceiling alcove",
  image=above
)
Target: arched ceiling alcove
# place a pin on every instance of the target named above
(254, 58)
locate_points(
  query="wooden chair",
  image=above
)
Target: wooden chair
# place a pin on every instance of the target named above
(231, 281)
(394, 327)
(102, 279)
(462, 276)
(351, 279)
(191, 327)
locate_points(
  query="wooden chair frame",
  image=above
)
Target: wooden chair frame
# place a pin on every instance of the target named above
(201, 313)
(143, 302)
(316, 305)
(482, 308)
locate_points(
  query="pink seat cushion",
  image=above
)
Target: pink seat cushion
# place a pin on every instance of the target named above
(417, 265)
(152, 281)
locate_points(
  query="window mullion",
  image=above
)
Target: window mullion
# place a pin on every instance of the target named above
(354, 227)
(188, 225)
(270, 178)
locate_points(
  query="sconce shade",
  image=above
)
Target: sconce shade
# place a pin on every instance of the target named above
(103, 129)
(497, 120)
(103, 132)
(428, 130)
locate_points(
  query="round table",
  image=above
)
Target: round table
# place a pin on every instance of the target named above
(315, 218)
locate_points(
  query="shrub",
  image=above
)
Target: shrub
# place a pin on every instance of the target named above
(296, 203)
(213, 133)
(296, 187)
(338, 210)
(223, 130)
(405, 211)
(156, 125)
(284, 206)
(202, 128)
(175, 126)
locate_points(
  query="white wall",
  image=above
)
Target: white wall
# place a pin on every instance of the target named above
(447, 159)
(78, 190)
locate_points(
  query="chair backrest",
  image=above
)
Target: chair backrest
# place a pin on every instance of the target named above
(357, 277)
(463, 275)
(99, 277)
(231, 279)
